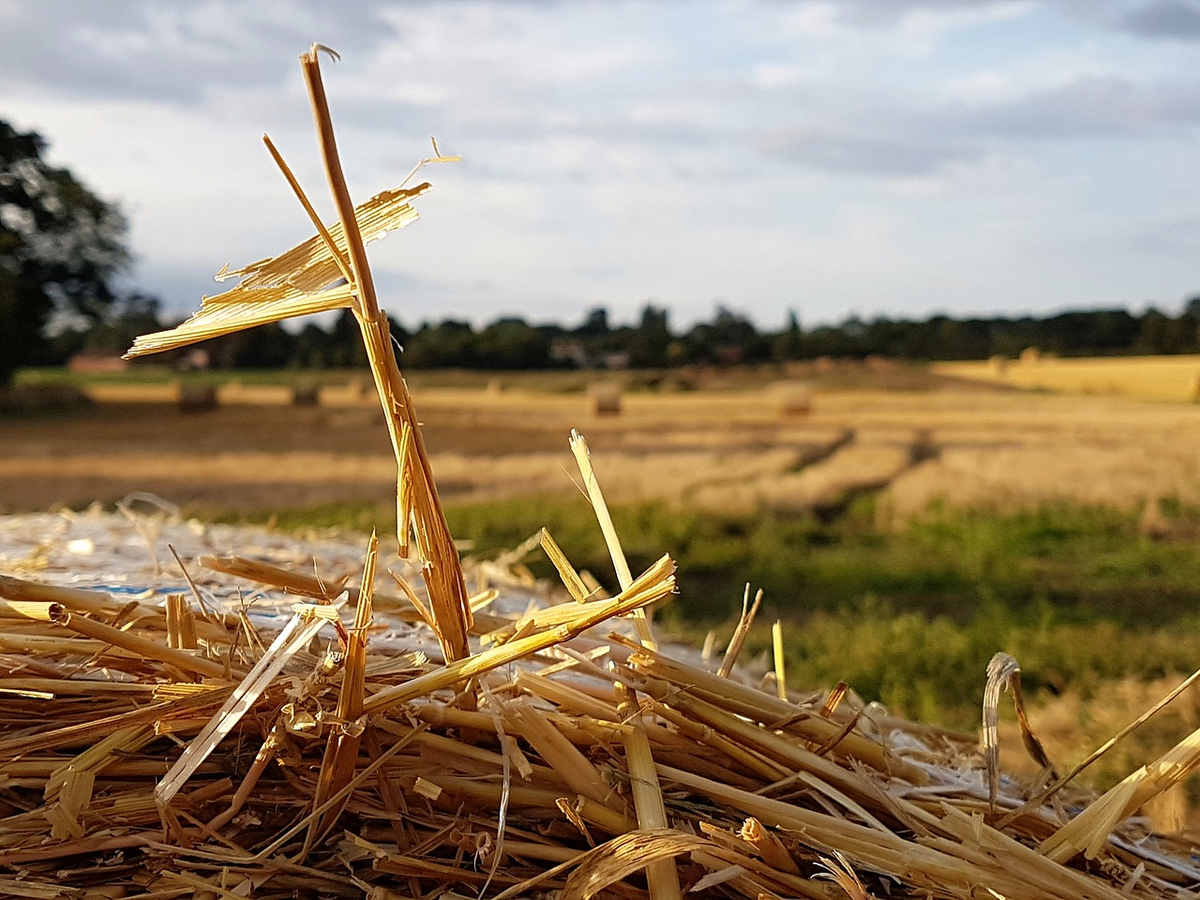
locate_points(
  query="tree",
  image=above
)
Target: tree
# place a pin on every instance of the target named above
(60, 248)
(512, 343)
(594, 324)
(450, 344)
(789, 343)
(346, 350)
(648, 344)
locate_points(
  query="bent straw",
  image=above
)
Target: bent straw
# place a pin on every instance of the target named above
(655, 583)
(297, 282)
(443, 569)
(294, 636)
(1038, 799)
(738, 638)
(341, 750)
(583, 458)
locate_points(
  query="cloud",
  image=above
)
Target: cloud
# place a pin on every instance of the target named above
(1171, 236)
(1089, 106)
(1168, 19)
(920, 21)
(616, 151)
(173, 52)
(845, 152)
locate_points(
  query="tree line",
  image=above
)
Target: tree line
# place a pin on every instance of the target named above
(728, 338)
(62, 253)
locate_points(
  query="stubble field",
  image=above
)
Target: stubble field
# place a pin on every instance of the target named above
(732, 449)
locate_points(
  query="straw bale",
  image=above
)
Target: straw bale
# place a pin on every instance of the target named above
(794, 398)
(306, 395)
(195, 398)
(551, 780)
(606, 399)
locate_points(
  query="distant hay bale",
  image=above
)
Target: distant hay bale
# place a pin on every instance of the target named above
(793, 399)
(1152, 523)
(195, 398)
(606, 399)
(494, 387)
(306, 395)
(1031, 355)
(923, 447)
(998, 364)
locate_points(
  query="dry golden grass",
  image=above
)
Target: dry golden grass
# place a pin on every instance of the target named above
(718, 449)
(1070, 726)
(1141, 377)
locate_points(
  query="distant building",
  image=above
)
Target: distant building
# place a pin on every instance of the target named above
(617, 359)
(569, 350)
(97, 362)
(573, 351)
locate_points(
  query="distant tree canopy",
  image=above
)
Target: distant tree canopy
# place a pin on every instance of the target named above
(729, 338)
(60, 248)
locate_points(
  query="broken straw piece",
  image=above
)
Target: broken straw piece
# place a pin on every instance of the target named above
(296, 282)
(299, 630)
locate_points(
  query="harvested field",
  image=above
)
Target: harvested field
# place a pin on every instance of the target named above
(713, 449)
(1174, 378)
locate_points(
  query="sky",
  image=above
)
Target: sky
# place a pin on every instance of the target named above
(863, 157)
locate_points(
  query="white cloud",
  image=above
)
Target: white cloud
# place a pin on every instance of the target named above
(876, 155)
(772, 75)
(922, 28)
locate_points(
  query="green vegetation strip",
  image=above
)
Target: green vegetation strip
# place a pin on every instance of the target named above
(907, 616)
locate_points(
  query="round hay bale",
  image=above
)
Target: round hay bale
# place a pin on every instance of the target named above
(196, 398)
(794, 399)
(306, 395)
(606, 399)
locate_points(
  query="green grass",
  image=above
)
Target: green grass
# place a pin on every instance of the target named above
(1084, 564)
(909, 617)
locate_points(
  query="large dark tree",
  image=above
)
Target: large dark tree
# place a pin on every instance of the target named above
(60, 248)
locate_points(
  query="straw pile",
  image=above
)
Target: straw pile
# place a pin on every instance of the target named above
(193, 746)
(364, 735)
